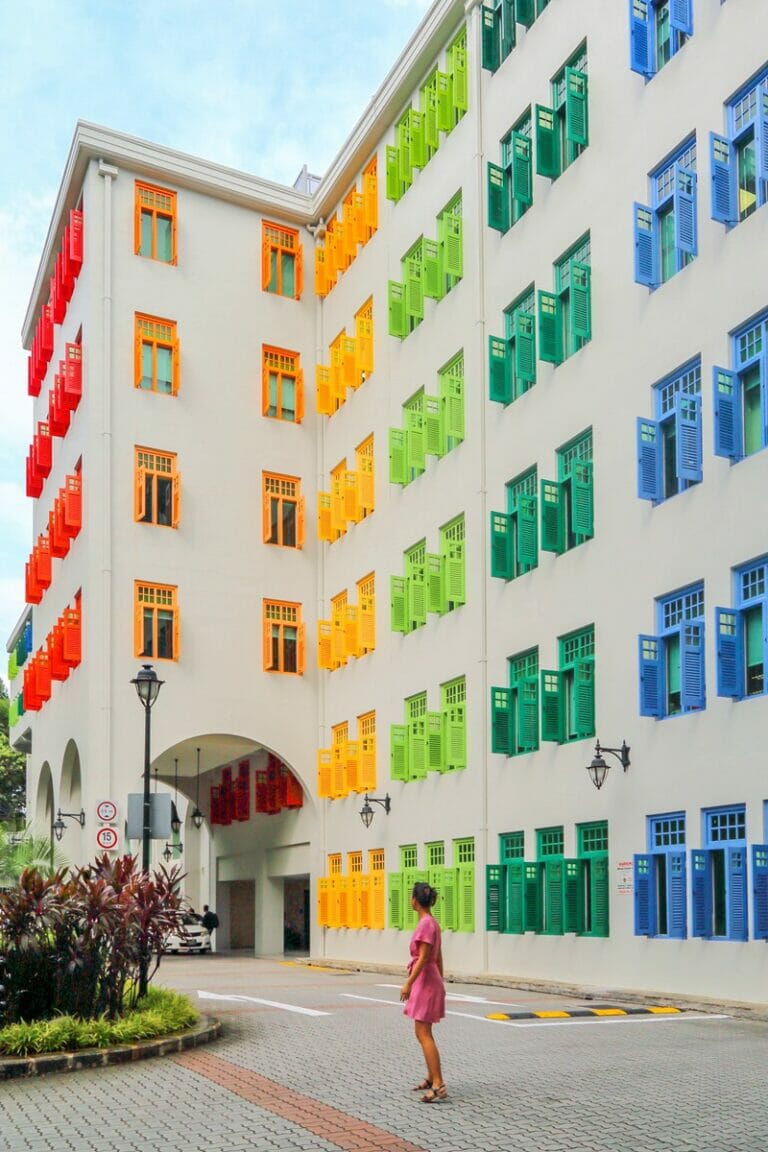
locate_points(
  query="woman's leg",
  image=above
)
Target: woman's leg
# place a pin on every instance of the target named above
(431, 1054)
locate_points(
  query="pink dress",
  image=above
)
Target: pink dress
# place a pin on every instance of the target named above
(427, 999)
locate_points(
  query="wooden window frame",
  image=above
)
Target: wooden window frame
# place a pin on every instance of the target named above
(277, 238)
(283, 363)
(146, 462)
(140, 589)
(143, 194)
(284, 489)
(142, 336)
(284, 614)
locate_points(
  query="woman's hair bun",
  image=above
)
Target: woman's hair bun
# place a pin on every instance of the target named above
(424, 894)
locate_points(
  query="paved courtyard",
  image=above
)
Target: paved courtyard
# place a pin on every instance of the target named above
(314, 1059)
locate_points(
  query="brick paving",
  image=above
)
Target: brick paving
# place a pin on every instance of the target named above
(279, 1082)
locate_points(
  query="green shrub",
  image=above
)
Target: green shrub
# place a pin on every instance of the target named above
(162, 1012)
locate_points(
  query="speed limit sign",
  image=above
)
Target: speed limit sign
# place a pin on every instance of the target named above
(106, 811)
(106, 838)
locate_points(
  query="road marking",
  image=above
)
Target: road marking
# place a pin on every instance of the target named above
(463, 998)
(267, 1003)
(581, 1022)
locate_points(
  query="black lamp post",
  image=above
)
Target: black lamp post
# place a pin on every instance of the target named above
(147, 688)
(366, 812)
(598, 769)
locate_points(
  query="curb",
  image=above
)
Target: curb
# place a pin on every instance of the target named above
(576, 1013)
(19, 1067)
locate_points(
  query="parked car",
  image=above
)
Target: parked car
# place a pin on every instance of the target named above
(192, 938)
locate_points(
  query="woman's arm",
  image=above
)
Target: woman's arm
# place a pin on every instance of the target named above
(424, 953)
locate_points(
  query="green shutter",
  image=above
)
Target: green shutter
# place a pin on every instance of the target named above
(502, 736)
(495, 897)
(397, 457)
(394, 187)
(552, 517)
(550, 328)
(522, 168)
(514, 918)
(447, 898)
(582, 499)
(435, 584)
(574, 897)
(491, 38)
(576, 119)
(525, 12)
(552, 720)
(435, 742)
(502, 525)
(547, 143)
(508, 30)
(414, 440)
(459, 79)
(580, 315)
(429, 108)
(465, 883)
(584, 698)
(417, 599)
(418, 140)
(404, 152)
(528, 708)
(599, 896)
(451, 235)
(432, 277)
(526, 528)
(444, 102)
(414, 288)
(531, 897)
(498, 198)
(434, 434)
(454, 405)
(455, 590)
(525, 346)
(398, 752)
(456, 735)
(396, 303)
(554, 872)
(395, 899)
(417, 749)
(499, 370)
(411, 876)
(397, 596)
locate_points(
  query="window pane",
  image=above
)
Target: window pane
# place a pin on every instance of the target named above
(274, 520)
(276, 646)
(164, 500)
(289, 523)
(289, 398)
(672, 650)
(145, 247)
(148, 622)
(146, 366)
(718, 892)
(272, 398)
(164, 369)
(289, 649)
(164, 235)
(165, 633)
(287, 268)
(273, 283)
(149, 493)
(668, 250)
(663, 35)
(669, 437)
(745, 158)
(753, 633)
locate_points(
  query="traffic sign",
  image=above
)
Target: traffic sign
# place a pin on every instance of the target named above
(106, 838)
(106, 811)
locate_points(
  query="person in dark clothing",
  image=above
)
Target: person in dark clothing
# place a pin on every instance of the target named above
(209, 920)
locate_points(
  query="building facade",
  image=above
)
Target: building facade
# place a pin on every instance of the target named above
(417, 481)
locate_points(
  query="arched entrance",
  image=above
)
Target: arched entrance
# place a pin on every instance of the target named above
(43, 810)
(71, 800)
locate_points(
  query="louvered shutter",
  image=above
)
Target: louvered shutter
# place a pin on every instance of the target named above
(640, 38)
(393, 173)
(729, 628)
(681, 16)
(760, 891)
(727, 413)
(551, 706)
(459, 79)
(435, 583)
(684, 199)
(395, 900)
(645, 895)
(582, 498)
(649, 462)
(396, 309)
(599, 895)
(448, 900)
(498, 198)
(502, 736)
(573, 896)
(580, 316)
(525, 11)
(397, 596)
(525, 346)
(736, 889)
(547, 143)
(444, 102)
(522, 168)
(514, 909)
(398, 753)
(417, 597)
(499, 370)
(453, 247)
(576, 107)
(526, 529)
(584, 698)
(417, 748)
(454, 406)
(414, 289)
(435, 742)
(495, 897)
(491, 46)
(532, 889)
(552, 517)
(701, 893)
(550, 328)
(418, 141)
(761, 132)
(553, 896)
(434, 426)
(677, 896)
(651, 675)
(646, 246)
(722, 168)
(465, 883)
(398, 469)
(432, 279)
(456, 735)
(528, 710)
(688, 437)
(692, 667)
(502, 526)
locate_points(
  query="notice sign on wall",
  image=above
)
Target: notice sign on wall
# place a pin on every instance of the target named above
(624, 877)
(106, 812)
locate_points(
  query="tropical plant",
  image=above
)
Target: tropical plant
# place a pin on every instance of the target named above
(21, 851)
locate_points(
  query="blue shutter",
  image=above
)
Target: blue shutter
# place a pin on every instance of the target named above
(761, 133)
(649, 445)
(684, 201)
(681, 16)
(651, 665)
(701, 894)
(688, 437)
(729, 630)
(764, 392)
(736, 859)
(727, 413)
(640, 44)
(692, 698)
(646, 246)
(723, 174)
(645, 896)
(677, 918)
(760, 891)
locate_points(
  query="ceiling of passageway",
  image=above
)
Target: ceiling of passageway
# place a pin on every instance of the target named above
(215, 749)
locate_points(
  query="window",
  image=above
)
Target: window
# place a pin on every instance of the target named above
(157, 365)
(155, 223)
(515, 710)
(281, 260)
(660, 880)
(592, 842)
(565, 315)
(354, 862)
(511, 846)
(549, 851)
(157, 496)
(657, 31)
(283, 510)
(334, 864)
(375, 859)
(719, 876)
(568, 695)
(567, 504)
(562, 131)
(669, 446)
(742, 634)
(740, 395)
(739, 161)
(366, 612)
(514, 533)
(672, 663)
(435, 853)
(283, 637)
(430, 268)
(156, 621)
(432, 425)
(510, 186)
(512, 361)
(450, 239)
(408, 856)
(498, 32)
(452, 555)
(432, 582)
(453, 705)
(666, 231)
(464, 863)
(282, 385)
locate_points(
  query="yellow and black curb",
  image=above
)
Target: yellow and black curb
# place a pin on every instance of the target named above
(581, 1013)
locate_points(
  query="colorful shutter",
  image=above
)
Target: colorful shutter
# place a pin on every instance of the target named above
(499, 370)
(459, 79)
(677, 916)
(525, 346)
(646, 246)
(736, 889)
(522, 169)
(681, 16)
(395, 900)
(688, 438)
(456, 735)
(692, 667)
(502, 525)
(547, 143)
(465, 884)
(580, 315)
(584, 698)
(414, 439)
(526, 529)
(722, 167)
(684, 200)
(576, 108)
(573, 896)
(508, 30)
(514, 911)
(502, 735)
(551, 706)
(454, 573)
(448, 900)
(599, 895)
(552, 517)
(398, 469)
(434, 426)
(432, 277)
(417, 749)
(435, 743)
(761, 132)
(727, 413)
(435, 583)
(396, 309)
(418, 142)
(649, 462)
(550, 328)
(414, 289)
(554, 875)
(651, 675)
(701, 893)
(525, 11)
(528, 710)
(760, 890)
(582, 498)
(498, 198)
(729, 630)
(324, 762)
(417, 597)
(640, 38)
(491, 46)
(531, 897)
(645, 895)
(398, 752)
(452, 243)
(444, 102)
(393, 173)
(397, 602)
(495, 897)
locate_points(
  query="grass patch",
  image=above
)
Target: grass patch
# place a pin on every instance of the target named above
(161, 1013)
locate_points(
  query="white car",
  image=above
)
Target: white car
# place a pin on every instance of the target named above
(193, 938)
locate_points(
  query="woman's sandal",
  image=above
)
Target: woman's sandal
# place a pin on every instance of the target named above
(425, 1084)
(435, 1095)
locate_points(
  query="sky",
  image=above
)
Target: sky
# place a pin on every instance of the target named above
(257, 85)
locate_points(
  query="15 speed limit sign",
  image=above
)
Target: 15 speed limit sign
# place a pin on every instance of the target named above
(106, 838)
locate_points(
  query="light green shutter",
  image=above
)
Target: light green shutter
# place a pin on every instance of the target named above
(522, 168)
(396, 308)
(414, 440)
(576, 119)
(550, 328)
(429, 102)
(584, 698)
(434, 435)
(455, 590)
(526, 528)
(418, 141)
(552, 517)
(398, 752)
(456, 735)
(435, 742)
(448, 918)
(394, 187)
(414, 289)
(525, 346)
(435, 583)
(499, 370)
(582, 498)
(515, 910)
(459, 79)
(547, 143)
(580, 316)
(417, 748)
(528, 707)
(395, 899)
(454, 405)
(552, 722)
(502, 736)
(498, 198)
(417, 598)
(397, 595)
(465, 881)
(453, 247)
(444, 102)
(404, 151)
(397, 457)
(411, 876)
(432, 277)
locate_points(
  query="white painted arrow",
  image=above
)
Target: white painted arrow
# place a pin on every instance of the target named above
(267, 1003)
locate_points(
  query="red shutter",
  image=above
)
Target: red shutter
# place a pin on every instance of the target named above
(243, 791)
(72, 637)
(68, 270)
(261, 790)
(34, 482)
(55, 649)
(43, 563)
(71, 497)
(76, 240)
(73, 375)
(294, 795)
(33, 593)
(43, 675)
(215, 806)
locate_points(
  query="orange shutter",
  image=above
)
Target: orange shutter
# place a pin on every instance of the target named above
(175, 500)
(136, 222)
(136, 354)
(321, 283)
(364, 883)
(300, 649)
(338, 639)
(364, 343)
(338, 520)
(176, 368)
(299, 395)
(300, 522)
(176, 632)
(371, 191)
(138, 626)
(266, 251)
(266, 519)
(339, 771)
(351, 378)
(299, 272)
(267, 642)
(140, 494)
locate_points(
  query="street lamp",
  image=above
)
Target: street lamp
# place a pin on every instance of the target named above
(59, 826)
(197, 816)
(598, 769)
(175, 821)
(147, 688)
(366, 812)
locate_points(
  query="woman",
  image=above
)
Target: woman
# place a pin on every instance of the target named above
(424, 990)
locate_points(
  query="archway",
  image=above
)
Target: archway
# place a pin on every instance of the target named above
(43, 811)
(71, 800)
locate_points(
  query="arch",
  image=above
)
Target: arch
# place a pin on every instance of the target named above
(71, 800)
(43, 812)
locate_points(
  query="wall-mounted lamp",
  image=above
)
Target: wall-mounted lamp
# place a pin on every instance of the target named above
(59, 827)
(197, 816)
(366, 812)
(598, 769)
(170, 849)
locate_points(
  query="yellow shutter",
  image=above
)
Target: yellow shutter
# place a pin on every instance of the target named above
(352, 497)
(321, 281)
(364, 344)
(266, 630)
(338, 519)
(322, 901)
(324, 762)
(352, 753)
(299, 395)
(366, 486)
(378, 900)
(338, 639)
(138, 626)
(324, 516)
(367, 774)
(355, 908)
(343, 883)
(339, 770)
(323, 401)
(371, 192)
(351, 375)
(324, 632)
(333, 901)
(176, 367)
(368, 623)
